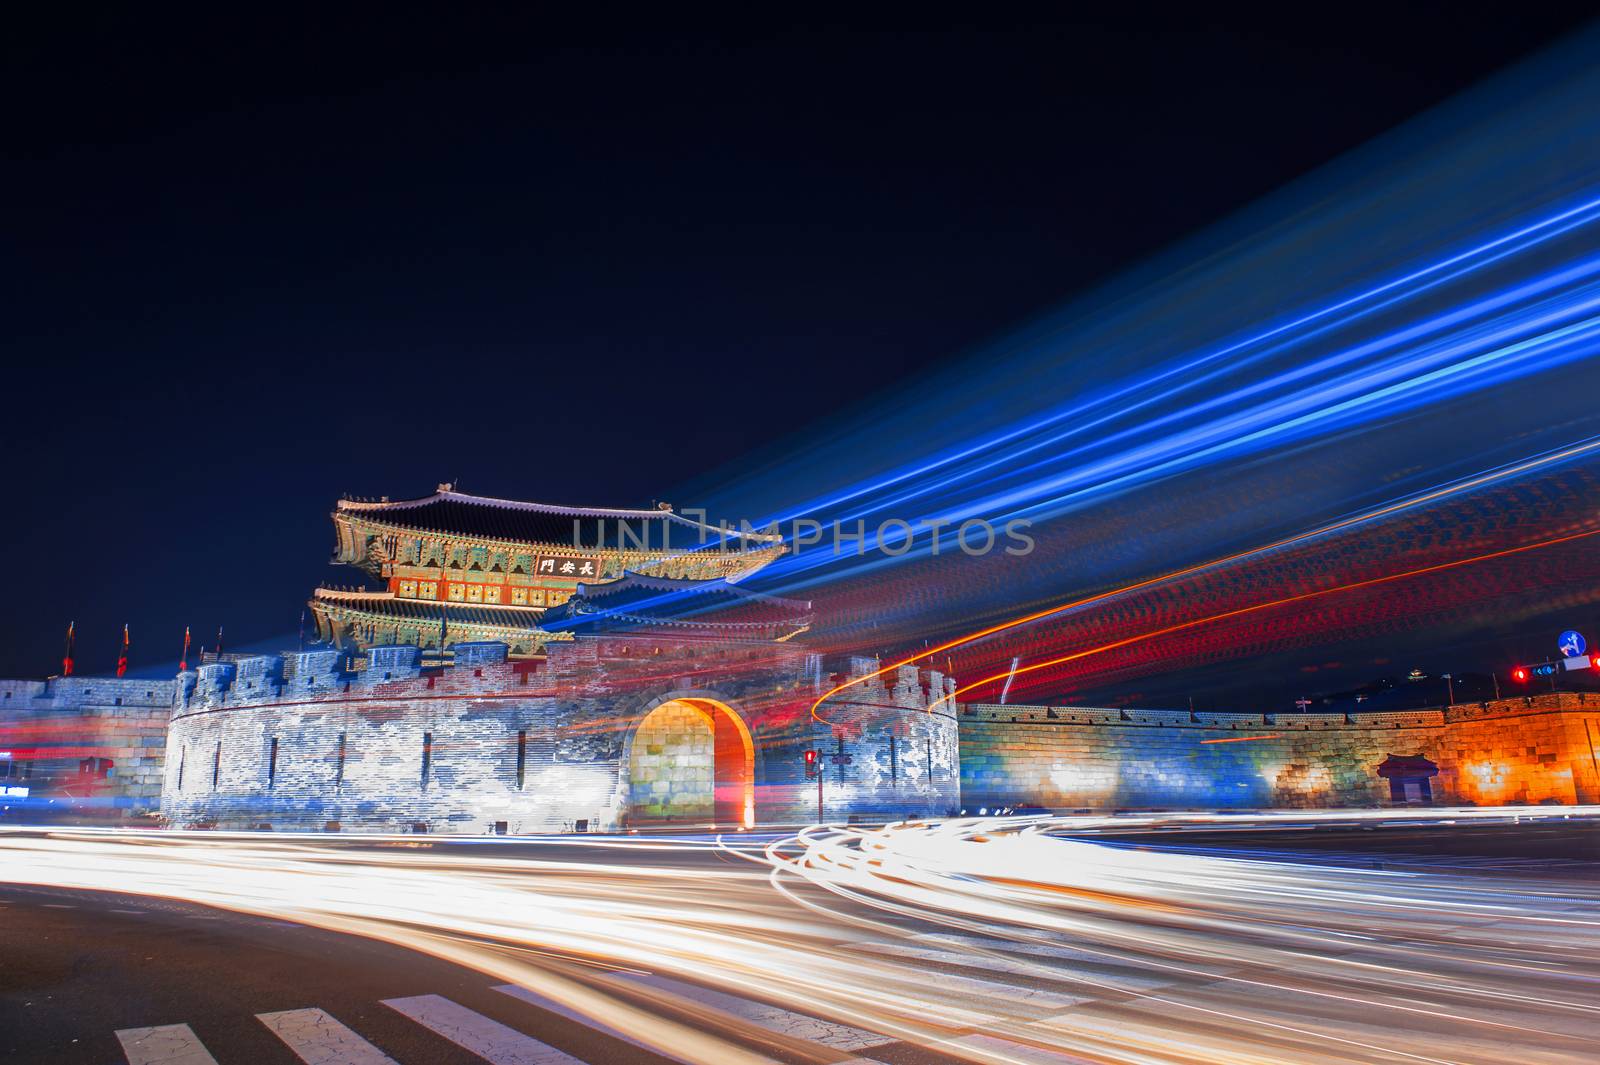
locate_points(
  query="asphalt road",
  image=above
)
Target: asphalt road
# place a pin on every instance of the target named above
(1137, 939)
(76, 967)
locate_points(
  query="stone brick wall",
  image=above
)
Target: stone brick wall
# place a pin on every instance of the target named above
(1524, 750)
(671, 770)
(49, 728)
(351, 744)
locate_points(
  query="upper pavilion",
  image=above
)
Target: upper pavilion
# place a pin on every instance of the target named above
(458, 567)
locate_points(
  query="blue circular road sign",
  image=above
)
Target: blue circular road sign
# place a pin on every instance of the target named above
(1572, 643)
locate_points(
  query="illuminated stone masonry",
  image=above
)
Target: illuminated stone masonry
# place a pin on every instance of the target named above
(74, 748)
(1524, 750)
(566, 743)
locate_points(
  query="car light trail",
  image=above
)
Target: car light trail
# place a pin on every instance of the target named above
(1506, 473)
(988, 940)
(1255, 608)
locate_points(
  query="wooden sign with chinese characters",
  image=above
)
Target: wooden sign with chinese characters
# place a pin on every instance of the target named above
(577, 569)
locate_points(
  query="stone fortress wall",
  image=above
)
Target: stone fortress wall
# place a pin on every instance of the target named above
(601, 735)
(352, 734)
(83, 747)
(1529, 749)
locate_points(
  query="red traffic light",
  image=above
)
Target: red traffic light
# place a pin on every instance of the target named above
(811, 757)
(1519, 675)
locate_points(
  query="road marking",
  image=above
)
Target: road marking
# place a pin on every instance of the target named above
(1009, 966)
(1012, 993)
(139, 912)
(58, 906)
(544, 1003)
(772, 1018)
(1011, 1050)
(533, 998)
(167, 1044)
(318, 1039)
(1104, 972)
(489, 1039)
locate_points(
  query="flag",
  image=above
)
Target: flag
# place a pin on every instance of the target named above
(219, 643)
(183, 659)
(302, 629)
(66, 663)
(122, 658)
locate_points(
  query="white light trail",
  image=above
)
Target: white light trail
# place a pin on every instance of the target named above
(985, 939)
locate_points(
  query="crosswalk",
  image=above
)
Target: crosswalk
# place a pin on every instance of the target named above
(316, 1037)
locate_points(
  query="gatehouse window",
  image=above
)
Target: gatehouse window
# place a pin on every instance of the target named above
(474, 593)
(491, 594)
(408, 589)
(519, 597)
(457, 593)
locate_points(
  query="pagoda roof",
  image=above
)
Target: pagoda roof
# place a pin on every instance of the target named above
(389, 605)
(637, 601)
(448, 512)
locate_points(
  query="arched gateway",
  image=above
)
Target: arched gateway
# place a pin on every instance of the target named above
(691, 760)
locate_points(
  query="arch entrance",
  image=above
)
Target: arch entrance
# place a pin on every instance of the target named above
(692, 761)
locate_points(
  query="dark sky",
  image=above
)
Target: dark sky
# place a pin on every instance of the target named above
(252, 264)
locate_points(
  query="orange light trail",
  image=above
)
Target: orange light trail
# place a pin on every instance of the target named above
(1344, 523)
(1370, 582)
(1246, 739)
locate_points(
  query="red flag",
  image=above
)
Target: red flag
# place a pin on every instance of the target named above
(66, 663)
(122, 659)
(183, 659)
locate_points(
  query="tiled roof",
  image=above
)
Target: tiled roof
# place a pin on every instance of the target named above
(448, 511)
(386, 604)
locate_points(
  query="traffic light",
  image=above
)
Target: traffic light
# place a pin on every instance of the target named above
(812, 765)
(1520, 675)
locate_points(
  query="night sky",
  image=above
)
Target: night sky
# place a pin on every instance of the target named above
(253, 265)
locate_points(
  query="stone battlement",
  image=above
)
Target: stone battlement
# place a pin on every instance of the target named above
(399, 672)
(990, 713)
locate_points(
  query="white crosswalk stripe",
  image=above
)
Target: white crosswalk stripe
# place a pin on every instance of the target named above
(563, 1010)
(489, 1039)
(166, 1044)
(772, 1018)
(318, 1039)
